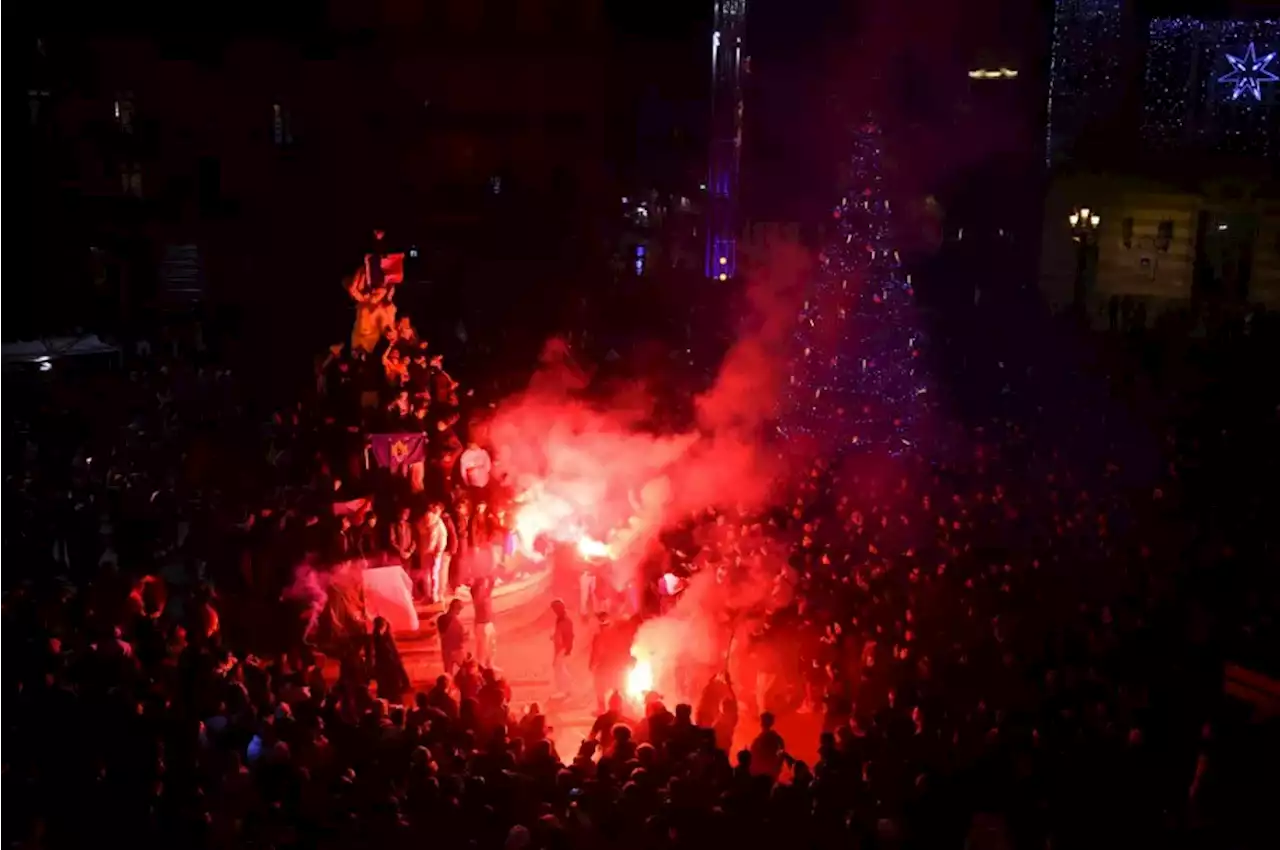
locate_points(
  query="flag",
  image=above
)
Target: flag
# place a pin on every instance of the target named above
(398, 451)
(391, 267)
(352, 507)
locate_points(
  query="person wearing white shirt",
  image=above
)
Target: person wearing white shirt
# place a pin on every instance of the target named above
(434, 537)
(476, 466)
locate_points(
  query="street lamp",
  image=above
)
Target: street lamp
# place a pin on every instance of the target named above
(1084, 231)
(1082, 219)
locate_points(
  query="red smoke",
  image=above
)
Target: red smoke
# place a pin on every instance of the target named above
(684, 648)
(589, 468)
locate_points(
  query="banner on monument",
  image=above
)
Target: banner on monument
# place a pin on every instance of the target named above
(398, 452)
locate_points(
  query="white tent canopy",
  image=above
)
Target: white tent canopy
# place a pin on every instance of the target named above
(54, 348)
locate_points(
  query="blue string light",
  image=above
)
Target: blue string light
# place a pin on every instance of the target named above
(1248, 73)
(1195, 98)
(857, 378)
(1084, 69)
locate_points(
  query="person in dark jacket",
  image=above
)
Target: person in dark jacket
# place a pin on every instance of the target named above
(453, 637)
(443, 450)
(486, 635)
(369, 538)
(388, 670)
(450, 567)
(610, 656)
(463, 544)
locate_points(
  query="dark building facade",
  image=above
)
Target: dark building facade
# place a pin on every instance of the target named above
(980, 144)
(1176, 167)
(245, 162)
(663, 116)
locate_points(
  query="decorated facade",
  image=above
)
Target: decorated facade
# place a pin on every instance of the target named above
(1164, 192)
(1213, 86)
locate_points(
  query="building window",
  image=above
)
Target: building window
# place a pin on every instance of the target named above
(123, 111)
(281, 126)
(640, 258)
(1164, 235)
(131, 180)
(1126, 231)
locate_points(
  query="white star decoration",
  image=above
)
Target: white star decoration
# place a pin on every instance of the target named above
(1248, 73)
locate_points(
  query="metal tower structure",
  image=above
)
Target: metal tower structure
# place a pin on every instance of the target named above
(726, 138)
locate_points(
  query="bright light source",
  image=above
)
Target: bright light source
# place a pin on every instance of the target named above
(993, 74)
(591, 548)
(1222, 227)
(723, 276)
(639, 680)
(1074, 218)
(724, 261)
(1094, 219)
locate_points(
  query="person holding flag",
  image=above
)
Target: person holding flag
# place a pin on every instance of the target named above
(383, 268)
(398, 452)
(375, 312)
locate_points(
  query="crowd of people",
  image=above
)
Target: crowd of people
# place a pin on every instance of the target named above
(1005, 646)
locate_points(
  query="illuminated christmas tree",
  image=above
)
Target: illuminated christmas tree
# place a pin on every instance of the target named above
(857, 378)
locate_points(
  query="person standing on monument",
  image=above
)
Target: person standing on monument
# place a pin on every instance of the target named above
(434, 540)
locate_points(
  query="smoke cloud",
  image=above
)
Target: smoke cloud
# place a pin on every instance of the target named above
(592, 469)
(693, 640)
(336, 591)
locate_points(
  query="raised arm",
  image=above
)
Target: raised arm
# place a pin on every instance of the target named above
(356, 288)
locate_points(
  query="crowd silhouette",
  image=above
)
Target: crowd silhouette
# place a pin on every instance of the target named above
(1015, 640)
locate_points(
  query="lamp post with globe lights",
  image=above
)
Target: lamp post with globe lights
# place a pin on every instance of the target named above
(1084, 231)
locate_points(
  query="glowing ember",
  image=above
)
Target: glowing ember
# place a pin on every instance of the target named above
(590, 548)
(639, 680)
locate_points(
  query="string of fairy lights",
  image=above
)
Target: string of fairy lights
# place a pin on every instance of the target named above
(857, 377)
(1084, 69)
(1213, 85)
